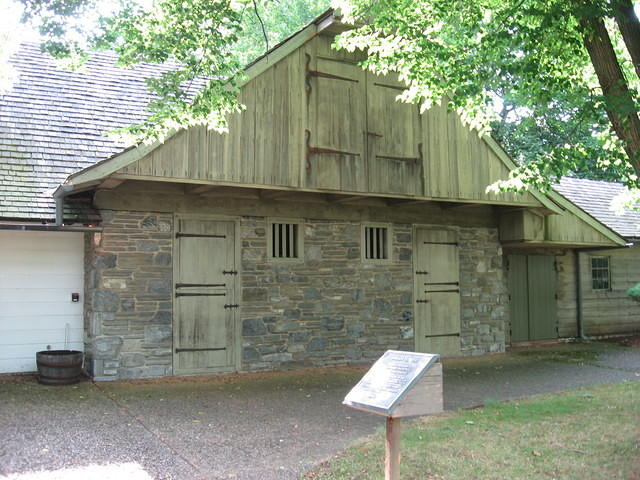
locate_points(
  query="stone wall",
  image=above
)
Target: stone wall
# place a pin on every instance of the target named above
(331, 308)
(483, 291)
(128, 307)
(328, 308)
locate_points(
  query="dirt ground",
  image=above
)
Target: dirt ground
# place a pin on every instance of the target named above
(267, 426)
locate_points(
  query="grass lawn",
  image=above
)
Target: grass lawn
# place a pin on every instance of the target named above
(585, 434)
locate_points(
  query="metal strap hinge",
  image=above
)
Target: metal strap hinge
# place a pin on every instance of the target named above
(422, 301)
(228, 305)
(229, 272)
(443, 335)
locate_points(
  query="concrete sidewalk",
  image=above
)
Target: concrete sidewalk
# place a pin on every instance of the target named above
(254, 426)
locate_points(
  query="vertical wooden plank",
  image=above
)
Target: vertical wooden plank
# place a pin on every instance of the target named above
(392, 450)
(245, 169)
(519, 293)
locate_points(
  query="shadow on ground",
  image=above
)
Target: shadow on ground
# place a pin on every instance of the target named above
(252, 426)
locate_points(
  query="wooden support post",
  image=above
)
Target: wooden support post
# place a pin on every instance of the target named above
(392, 447)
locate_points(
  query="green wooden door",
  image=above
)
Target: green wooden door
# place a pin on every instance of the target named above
(519, 291)
(437, 292)
(532, 287)
(204, 333)
(542, 297)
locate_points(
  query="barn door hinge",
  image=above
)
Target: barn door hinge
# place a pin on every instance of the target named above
(229, 272)
(315, 150)
(231, 305)
(315, 73)
(422, 272)
(422, 301)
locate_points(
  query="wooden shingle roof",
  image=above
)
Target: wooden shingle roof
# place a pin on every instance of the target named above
(594, 197)
(53, 123)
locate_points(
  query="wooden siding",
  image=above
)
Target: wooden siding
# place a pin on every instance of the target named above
(530, 228)
(566, 291)
(315, 121)
(607, 312)
(567, 228)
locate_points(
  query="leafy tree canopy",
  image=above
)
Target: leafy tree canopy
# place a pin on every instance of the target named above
(535, 56)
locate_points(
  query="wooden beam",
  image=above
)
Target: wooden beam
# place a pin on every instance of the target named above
(110, 183)
(403, 203)
(199, 189)
(245, 193)
(273, 194)
(451, 206)
(345, 198)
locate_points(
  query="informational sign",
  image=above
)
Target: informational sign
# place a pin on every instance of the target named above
(389, 380)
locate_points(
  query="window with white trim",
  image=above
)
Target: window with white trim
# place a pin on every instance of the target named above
(285, 240)
(376, 240)
(600, 273)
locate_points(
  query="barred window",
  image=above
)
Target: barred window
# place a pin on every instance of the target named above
(600, 273)
(376, 242)
(285, 241)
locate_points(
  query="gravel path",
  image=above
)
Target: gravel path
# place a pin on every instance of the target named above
(267, 426)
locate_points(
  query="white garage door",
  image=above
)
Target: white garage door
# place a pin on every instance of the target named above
(38, 273)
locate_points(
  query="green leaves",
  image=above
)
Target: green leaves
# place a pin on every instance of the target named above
(202, 45)
(518, 67)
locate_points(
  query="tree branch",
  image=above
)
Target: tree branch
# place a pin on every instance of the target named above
(617, 96)
(264, 31)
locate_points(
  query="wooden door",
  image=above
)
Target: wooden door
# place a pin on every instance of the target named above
(519, 294)
(532, 290)
(335, 140)
(205, 336)
(541, 276)
(393, 138)
(437, 292)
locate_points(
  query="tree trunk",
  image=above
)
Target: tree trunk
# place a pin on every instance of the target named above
(629, 26)
(618, 99)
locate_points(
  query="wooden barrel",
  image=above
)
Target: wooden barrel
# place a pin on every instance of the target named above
(59, 367)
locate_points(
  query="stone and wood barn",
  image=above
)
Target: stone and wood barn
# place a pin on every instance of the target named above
(330, 224)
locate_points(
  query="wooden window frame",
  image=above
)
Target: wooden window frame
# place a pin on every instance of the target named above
(606, 269)
(299, 224)
(389, 249)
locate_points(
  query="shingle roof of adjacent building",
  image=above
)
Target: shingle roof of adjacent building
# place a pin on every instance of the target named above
(53, 123)
(594, 197)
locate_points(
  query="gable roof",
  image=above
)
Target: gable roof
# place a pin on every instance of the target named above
(53, 123)
(594, 197)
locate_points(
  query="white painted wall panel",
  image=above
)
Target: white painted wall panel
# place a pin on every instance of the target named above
(38, 273)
